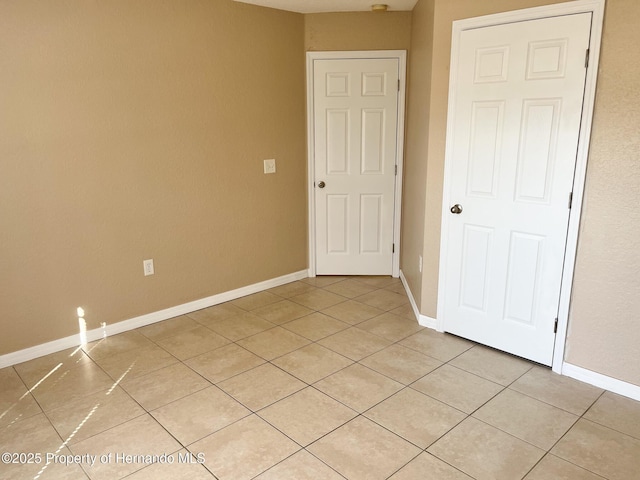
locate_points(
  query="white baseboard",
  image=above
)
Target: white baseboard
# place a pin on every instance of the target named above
(423, 320)
(147, 319)
(603, 381)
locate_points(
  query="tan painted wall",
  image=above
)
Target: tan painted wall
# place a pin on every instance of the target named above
(357, 31)
(134, 130)
(416, 145)
(604, 332)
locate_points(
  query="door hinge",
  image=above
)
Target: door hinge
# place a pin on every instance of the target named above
(393, 248)
(398, 84)
(555, 326)
(586, 59)
(396, 169)
(570, 199)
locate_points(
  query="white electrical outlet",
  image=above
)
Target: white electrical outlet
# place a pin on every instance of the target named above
(148, 267)
(270, 166)
(420, 263)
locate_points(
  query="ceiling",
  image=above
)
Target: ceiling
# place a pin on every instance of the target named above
(316, 6)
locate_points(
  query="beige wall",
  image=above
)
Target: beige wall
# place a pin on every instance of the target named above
(416, 145)
(357, 31)
(134, 130)
(604, 332)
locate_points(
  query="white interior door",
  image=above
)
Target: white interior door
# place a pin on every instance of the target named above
(355, 122)
(518, 102)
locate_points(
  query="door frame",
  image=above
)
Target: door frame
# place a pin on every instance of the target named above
(596, 7)
(401, 56)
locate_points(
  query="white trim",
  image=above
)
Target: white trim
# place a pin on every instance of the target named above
(423, 320)
(596, 7)
(428, 322)
(602, 381)
(311, 199)
(401, 55)
(147, 319)
(397, 217)
(579, 180)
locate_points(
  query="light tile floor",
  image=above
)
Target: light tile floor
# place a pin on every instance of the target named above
(324, 378)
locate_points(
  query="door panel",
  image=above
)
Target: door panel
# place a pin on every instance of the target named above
(518, 101)
(355, 144)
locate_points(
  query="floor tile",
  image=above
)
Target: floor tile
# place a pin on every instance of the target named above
(457, 388)
(362, 389)
(67, 385)
(273, 343)
(405, 311)
(528, 419)
(316, 326)
(383, 299)
(323, 280)
(245, 449)
(58, 471)
(215, 313)
(168, 327)
(349, 288)
(318, 299)
(257, 300)
(352, 312)
(282, 312)
(484, 452)
(392, 327)
(261, 386)
(557, 390)
(493, 365)
(415, 417)
(616, 412)
(599, 449)
(193, 342)
(358, 387)
(199, 414)
(307, 415)
(351, 450)
(427, 467)
(239, 326)
(441, 346)
(136, 362)
(164, 386)
(300, 466)
(35, 436)
(34, 371)
(116, 344)
(10, 380)
(397, 287)
(378, 281)
(354, 343)
(224, 362)
(16, 403)
(180, 469)
(312, 363)
(401, 363)
(552, 467)
(292, 289)
(83, 418)
(141, 436)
